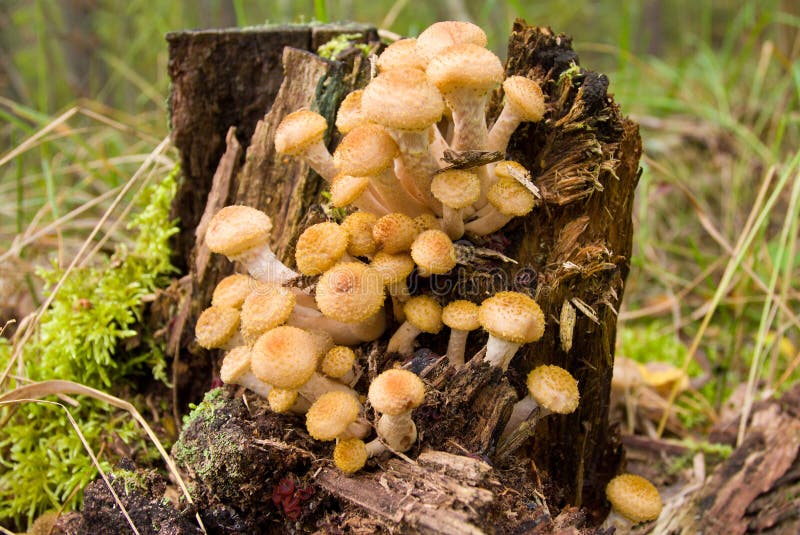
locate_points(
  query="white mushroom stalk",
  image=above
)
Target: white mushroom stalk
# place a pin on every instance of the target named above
(395, 394)
(423, 314)
(524, 103)
(462, 317)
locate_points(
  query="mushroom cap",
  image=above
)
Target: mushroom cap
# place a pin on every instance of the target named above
(553, 388)
(338, 361)
(232, 290)
(298, 131)
(265, 309)
(393, 267)
(510, 197)
(365, 151)
(427, 222)
(634, 497)
(359, 227)
(433, 252)
(236, 229)
(350, 455)
(403, 99)
(322, 339)
(345, 189)
(401, 54)
(350, 292)
(525, 96)
(319, 247)
(456, 188)
(350, 114)
(424, 313)
(394, 233)
(281, 399)
(441, 35)
(511, 169)
(330, 415)
(216, 325)
(285, 357)
(235, 364)
(461, 315)
(512, 316)
(465, 66)
(396, 391)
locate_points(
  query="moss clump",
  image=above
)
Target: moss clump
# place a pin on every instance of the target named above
(342, 42)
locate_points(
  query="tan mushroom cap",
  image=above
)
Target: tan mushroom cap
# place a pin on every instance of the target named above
(338, 361)
(394, 233)
(441, 35)
(510, 197)
(216, 325)
(285, 357)
(554, 388)
(322, 339)
(396, 391)
(350, 455)
(330, 415)
(512, 316)
(465, 65)
(350, 292)
(456, 188)
(359, 227)
(298, 131)
(634, 497)
(403, 99)
(235, 364)
(319, 247)
(434, 253)
(424, 313)
(427, 222)
(365, 151)
(350, 115)
(393, 267)
(232, 290)
(511, 169)
(265, 309)
(236, 229)
(401, 54)
(281, 400)
(346, 189)
(461, 315)
(525, 96)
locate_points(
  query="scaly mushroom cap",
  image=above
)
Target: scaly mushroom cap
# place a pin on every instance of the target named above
(396, 391)
(433, 252)
(359, 227)
(232, 290)
(322, 339)
(216, 325)
(285, 357)
(634, 497)
(330, 415)
(424, 313)
(365, 151)
(236, 229)
(298, 131)
(350, 115)
(512, 316)
(350, 292)
(401, 54)
(461, 315)
(525, 96)
(456, 188)
(511, 169)
(403, 99)
(394, 233)
(427, 222)
(338, 361)
(441, 35)
(392, 267)
(350, 455)
(554, 388)
(467, 66)
(281, 400)
(345, 189)
(510, 197)
(235, 364)
(319, 247)
(265, 309)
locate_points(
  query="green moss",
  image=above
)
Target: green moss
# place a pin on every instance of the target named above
(340, 43)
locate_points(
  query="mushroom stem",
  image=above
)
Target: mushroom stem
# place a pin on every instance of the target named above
(375, 447)
(263, 265)
(502, 129)
(488, 223)
(518, 437)
(320, 160)
(456, 347)
(469, 119)
(342, 333)
(417, 164)
(395, 197)
(319, 384)
(251, 382)
(524, 410)
(398, 432)
(402, 341)
(453, 222)
(499, 352)
(234, 341)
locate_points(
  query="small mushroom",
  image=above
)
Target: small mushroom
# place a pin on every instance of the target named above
(218, 328)
(338, 364)
(400, 55)
(265, 309)
(320, 247)
(524, 103)
(634, 500)
(350, 455)
(394, 269)
(511, 319)
(434, 253)
(235, 370)
(507, 199)
(456, 189)
(350, 114)
(301, 134)
(232, 290)
(462, 317)
(441, 35)
(423, 314)
(336, 415)
(394, 233)
(359, 228)
(395, 394)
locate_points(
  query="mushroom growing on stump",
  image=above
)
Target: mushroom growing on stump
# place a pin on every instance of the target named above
(395, 394)
(394, 233)
(301, 134)
(265, 309)
(462, 317)
(350, 455)
(232, 290)
(394, 269)
(423, 314)
(283, 400)
(359, 228)
(634, 500)
(336, 415)
(456, 189)
(433, 253)
(511, 319)
(320, 247)
(338, 364)
(524, 103)
(235, 370)
(218, 328)
(443, 34)
(507, 199)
